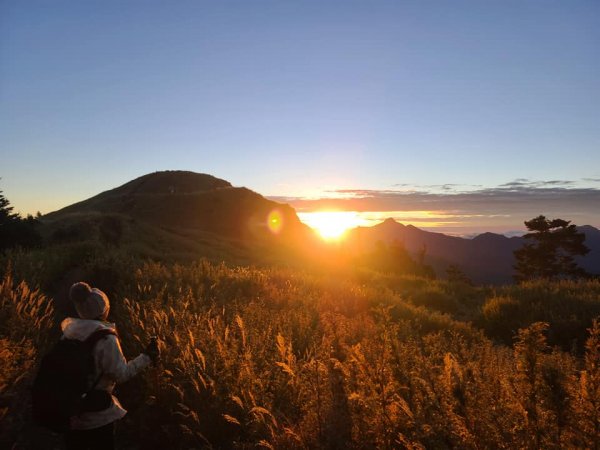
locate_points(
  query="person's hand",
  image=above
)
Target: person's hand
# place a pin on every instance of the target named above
(152, 350)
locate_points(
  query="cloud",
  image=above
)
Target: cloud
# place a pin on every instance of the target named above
(510, 203)
(524, 183)
(447, 187)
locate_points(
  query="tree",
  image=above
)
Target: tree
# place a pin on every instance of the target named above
(550, 250)
(14, 230)
(6, 214)
(456, 275)
(394, 257)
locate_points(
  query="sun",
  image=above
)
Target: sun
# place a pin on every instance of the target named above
(331, 225)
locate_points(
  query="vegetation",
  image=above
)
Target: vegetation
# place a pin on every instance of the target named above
(14, 230)
(394, 258)
(550, 254)
(279, 358)
(567, 305)
(331, 351)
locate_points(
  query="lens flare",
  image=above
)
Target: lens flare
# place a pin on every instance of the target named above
(275, 221)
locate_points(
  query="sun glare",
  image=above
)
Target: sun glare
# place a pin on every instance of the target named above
(331, 225)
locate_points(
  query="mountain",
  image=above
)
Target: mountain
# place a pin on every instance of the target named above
(192, 201)
(591, 261)
(487, 258)
(186, 212)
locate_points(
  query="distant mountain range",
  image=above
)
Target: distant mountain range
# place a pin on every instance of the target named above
(198, 213)
(486, 258)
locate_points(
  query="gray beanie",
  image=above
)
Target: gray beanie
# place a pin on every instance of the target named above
(89, 303)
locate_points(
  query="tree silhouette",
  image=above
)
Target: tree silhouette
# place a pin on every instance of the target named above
(550, 250)
(14, 230)
(6, 214)
(394, 257)
(456, 275)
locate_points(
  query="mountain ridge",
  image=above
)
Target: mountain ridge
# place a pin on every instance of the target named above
(485, 258)
(204, 208)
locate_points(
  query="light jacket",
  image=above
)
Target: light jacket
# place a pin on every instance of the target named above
(110, 362)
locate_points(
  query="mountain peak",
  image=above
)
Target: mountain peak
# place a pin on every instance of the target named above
(172, 182)
(390, 222)
(487, 236)
(190, 202)
(588, 229)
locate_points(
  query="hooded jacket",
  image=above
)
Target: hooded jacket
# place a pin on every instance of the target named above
(110, 362)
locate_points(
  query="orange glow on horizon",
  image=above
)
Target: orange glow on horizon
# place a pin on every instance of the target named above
(332, 225)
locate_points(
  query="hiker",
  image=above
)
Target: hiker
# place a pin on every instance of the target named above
(95, 429)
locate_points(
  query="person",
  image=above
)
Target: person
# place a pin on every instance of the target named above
(95, 429)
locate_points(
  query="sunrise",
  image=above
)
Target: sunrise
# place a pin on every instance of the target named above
(331, 225)
(299, 224)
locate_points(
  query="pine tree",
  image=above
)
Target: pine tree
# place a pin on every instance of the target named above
(6, 214)
(550, 250)
(14, 230)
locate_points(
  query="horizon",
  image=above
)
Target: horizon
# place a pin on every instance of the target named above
(365, 220)
(332, 222)
(461, 118)
(323, 214)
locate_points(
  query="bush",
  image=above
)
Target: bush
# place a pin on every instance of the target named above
(435, 298)
(567, 306)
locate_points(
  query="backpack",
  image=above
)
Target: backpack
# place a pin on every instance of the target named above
(63, 380)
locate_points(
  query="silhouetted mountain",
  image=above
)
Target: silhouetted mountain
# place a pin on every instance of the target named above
(182, 216)
(191, 201)
(591, 261)
(487, 258)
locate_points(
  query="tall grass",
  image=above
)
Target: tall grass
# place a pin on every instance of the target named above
(275, 358)
(26, 322)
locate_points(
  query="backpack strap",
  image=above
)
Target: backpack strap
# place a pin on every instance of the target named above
(91, 342)
(99, 334)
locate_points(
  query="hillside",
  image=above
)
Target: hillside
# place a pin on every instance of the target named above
(181, 200)
(182, 215)
(487, 258)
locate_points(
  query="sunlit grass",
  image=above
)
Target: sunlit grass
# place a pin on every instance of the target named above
(280, 358)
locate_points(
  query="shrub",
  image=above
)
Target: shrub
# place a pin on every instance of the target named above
(567, 306)
(435, 298)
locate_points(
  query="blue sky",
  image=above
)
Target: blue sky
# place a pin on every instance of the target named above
(301, 98)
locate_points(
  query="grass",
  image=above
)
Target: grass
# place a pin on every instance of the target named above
(280, 358)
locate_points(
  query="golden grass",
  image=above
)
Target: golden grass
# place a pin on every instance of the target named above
(273, 358)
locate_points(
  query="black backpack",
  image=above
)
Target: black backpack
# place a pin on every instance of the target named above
(64, 378)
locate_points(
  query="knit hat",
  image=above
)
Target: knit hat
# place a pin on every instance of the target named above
(90, 303)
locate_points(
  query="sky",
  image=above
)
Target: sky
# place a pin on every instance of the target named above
(462, 116)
